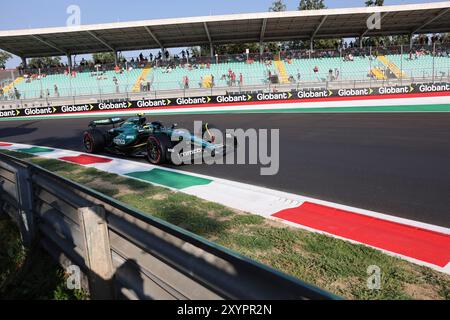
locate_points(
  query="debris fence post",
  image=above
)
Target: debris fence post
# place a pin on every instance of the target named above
(98, 252)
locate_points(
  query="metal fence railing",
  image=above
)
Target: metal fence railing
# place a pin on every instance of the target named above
(216, 91)
(125, 254)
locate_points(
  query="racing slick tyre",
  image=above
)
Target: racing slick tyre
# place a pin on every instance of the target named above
(157, 149)
(93, 140)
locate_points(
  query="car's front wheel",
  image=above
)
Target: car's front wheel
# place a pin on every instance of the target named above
(157, 148)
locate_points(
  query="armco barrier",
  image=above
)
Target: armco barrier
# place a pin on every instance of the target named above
(125, 254)
(263, 97)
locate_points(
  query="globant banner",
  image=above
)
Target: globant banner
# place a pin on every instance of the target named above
(275, 97)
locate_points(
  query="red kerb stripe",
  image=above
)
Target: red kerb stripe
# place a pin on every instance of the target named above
(421, 244)
(86, 159)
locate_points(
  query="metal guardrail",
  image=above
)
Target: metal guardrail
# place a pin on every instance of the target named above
(125, 254)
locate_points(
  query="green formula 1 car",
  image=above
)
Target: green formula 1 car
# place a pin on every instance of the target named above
(137, 137)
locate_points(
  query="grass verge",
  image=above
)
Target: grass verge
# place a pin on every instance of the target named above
(332, 264)
(29, 274)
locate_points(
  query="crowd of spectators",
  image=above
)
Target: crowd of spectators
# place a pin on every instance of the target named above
(188, 61)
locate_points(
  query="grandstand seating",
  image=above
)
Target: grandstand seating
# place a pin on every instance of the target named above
(422, 66)
(87, 83)
(255, 73)
(358, 69)
(83, 84)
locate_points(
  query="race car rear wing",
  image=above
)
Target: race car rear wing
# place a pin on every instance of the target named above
(106, 122)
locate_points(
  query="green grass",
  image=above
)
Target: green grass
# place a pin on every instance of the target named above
(332, 264)
(18, 155)
(29, 274)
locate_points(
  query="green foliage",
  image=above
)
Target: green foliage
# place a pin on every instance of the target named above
(103, 57)
(318, 44)
(29, 274)
(4, 56)
(235, 48)
(332, 264)
(44, 62)
(311, 5)
(278, 6)
(374, 3)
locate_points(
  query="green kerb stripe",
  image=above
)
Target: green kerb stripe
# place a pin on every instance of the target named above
(35, 150)
(169, 179)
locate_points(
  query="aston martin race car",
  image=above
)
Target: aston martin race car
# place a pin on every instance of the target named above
(159, 144)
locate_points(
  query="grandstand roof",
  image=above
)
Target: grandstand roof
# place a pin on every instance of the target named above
(252, 27)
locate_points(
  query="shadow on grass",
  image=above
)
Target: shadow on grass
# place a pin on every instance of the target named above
(18, 155)
(29, 274)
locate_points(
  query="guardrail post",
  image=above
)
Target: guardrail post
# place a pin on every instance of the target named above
(98, 252)
(25, 200)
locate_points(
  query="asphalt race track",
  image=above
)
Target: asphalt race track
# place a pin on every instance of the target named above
(394, 163)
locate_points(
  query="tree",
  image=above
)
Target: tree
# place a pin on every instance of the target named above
(277, 6)
(104, 57)
(374, 3)
(318, 44)
(386, 40)
(235, 48)
(44, 62)
(239, 48)
(4, 56)
(311, 5)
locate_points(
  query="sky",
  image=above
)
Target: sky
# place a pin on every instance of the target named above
(24, 14)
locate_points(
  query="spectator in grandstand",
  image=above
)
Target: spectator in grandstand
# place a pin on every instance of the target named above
(116, 84)
(241, 79)
(316, 69)
(299, 76)
(330, 75)
(56, 91)
(16, 93)
(1, 93)
(337, 74)
(233, 78)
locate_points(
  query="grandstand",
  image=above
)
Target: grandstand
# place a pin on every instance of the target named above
(293, 71)
(244, 72)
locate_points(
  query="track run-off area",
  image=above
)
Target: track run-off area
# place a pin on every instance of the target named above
(381, 160)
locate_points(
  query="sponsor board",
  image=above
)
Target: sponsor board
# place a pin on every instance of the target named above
(229, 99)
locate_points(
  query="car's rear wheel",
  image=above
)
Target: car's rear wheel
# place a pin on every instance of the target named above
(93, 141)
